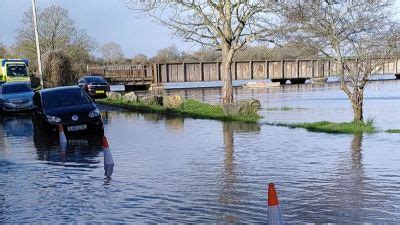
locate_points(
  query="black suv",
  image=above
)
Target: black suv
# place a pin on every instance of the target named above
(95, 86)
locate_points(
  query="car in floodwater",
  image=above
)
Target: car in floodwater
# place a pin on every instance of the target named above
(69, 106)
(16, 97)
(95, 86)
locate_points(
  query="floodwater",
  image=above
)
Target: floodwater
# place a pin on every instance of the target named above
(187, 170)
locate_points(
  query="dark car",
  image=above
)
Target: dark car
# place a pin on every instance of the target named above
(95, 86)
(69, 106)
(15, 97)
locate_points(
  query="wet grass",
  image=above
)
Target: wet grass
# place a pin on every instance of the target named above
(190, 108)
(393, 131)
(334, 128)
(283, 108)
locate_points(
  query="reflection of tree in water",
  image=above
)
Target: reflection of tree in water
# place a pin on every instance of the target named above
(351, 183)
(152, 117)
(229, 196)
(174, 123)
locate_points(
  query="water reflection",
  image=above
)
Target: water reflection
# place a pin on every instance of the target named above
(352, 181)
(229, 196)
(18, 126)
(79, 151)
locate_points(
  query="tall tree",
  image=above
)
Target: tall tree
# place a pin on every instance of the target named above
(226, 25)
(112, 52)
(57, 32)
(354, 33)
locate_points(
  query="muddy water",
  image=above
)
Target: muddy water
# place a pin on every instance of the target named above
(186, 170)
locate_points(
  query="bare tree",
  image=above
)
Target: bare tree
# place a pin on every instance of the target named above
(351, 32)
(112, 52)
(139, 59)
(170, 53)
(226, 25)
(207, 54)
(57, 32)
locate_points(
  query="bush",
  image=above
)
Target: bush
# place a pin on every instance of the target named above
(58, 69)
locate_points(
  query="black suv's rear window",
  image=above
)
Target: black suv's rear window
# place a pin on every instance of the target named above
(95, 80)
(64, 98)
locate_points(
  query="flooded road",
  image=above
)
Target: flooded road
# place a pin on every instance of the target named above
(187, 170)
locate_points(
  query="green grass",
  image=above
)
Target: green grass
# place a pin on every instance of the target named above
(334, 128)
(190, 108)
(393, 131)
(283, 108)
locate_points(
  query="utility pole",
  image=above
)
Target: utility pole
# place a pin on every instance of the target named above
(37, 43)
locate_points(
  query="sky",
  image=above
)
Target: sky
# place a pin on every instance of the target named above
(104, 20)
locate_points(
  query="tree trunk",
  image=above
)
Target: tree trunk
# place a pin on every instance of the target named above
(357, 100)
(227, 89)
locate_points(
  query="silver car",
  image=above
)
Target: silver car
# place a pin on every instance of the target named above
(16, 97)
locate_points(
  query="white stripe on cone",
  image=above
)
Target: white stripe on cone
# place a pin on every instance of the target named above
(275, 215)
(63, 148)
(108, 159)
(63, 139)
(274, 211)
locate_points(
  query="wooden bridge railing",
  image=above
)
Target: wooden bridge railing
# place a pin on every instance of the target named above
(124, 73)
(241, 70)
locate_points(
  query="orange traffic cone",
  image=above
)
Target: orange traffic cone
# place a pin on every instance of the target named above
(108, 159)
(63, 139)
(274, 211)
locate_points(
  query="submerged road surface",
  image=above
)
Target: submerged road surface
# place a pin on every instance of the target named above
(186, 170)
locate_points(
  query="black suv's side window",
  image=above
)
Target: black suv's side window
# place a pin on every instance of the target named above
(36, 100)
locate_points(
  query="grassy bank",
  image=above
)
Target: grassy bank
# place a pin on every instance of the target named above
(393, 131)
(284, 108)
(334, 128)
(190, 108)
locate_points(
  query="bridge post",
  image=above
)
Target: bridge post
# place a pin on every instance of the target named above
(219, 70)
(283, 68)
(167, 72)
(201, 71)
(184, 72)
(266, 69)
(235, 70)
(251, 70)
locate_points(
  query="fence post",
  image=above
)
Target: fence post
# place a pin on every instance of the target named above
(267, 69)
(283, 68)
